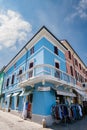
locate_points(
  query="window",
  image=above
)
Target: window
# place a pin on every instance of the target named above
(30, 72)
(76, 62)
(15, 65)
(57, 65)
(85, 80)
(20, 71)
(55, 50)
(76, 75)
(69, 53)
(80, 66)
(86, 73)
(31, 65)
(7, 84)
(71, 69)
(31, 50)
(12, 81)
(57, 73)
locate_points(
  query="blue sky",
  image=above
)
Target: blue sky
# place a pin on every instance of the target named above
(21, 19)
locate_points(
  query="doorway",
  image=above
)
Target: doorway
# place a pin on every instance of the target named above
(29, 110)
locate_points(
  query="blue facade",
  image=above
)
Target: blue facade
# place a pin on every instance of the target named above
(42, 100)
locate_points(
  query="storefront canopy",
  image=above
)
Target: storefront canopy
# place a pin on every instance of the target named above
(21, 94)
(8, 95)
(25, 93)
(15, 94)
(64, 93)
(80, 92)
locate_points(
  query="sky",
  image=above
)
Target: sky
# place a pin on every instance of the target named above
(21, 19)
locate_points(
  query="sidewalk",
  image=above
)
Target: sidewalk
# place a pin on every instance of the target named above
(9, 121)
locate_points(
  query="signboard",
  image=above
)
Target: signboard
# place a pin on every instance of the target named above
(43, 88)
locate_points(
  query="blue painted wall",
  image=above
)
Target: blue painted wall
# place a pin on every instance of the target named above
(42, 102)
(43, 54)
(49, 58)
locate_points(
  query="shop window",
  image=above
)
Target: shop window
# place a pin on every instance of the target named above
(31, 50)
(55, 50)
(13, 77)
(71, 70)
(7, 84)
(69, 53)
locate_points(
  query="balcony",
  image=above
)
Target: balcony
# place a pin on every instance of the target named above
(45, 73)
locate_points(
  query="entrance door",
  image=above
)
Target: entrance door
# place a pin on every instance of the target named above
(29, 99)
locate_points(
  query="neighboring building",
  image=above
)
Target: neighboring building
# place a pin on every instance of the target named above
(76, 68)
(1, 84)
(38, 74)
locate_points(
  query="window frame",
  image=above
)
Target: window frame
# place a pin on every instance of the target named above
(69, 54)
(56, 50)
(71, 70)
(13, 79)
(32, 50)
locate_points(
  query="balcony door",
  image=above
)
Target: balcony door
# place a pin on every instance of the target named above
(31, 71)
(57, 73)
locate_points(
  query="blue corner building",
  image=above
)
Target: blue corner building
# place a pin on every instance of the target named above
(37, 74)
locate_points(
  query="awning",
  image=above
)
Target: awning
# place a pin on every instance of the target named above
(8, 95)
(15, 94)
(80, 92)
(25, 93)
(64, 93)
(21, 94)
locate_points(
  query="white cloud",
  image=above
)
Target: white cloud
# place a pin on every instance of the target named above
(80, 10)
(13, 28)
(0, 47)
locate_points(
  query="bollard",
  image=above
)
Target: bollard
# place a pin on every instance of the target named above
(44, 122)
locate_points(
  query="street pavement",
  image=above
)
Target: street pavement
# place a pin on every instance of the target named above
(9, 121)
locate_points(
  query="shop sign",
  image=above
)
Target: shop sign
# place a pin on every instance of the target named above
(43, 88)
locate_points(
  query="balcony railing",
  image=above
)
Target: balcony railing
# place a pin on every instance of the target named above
(44, 70)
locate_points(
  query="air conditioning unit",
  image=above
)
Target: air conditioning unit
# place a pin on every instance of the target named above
(84, 84)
